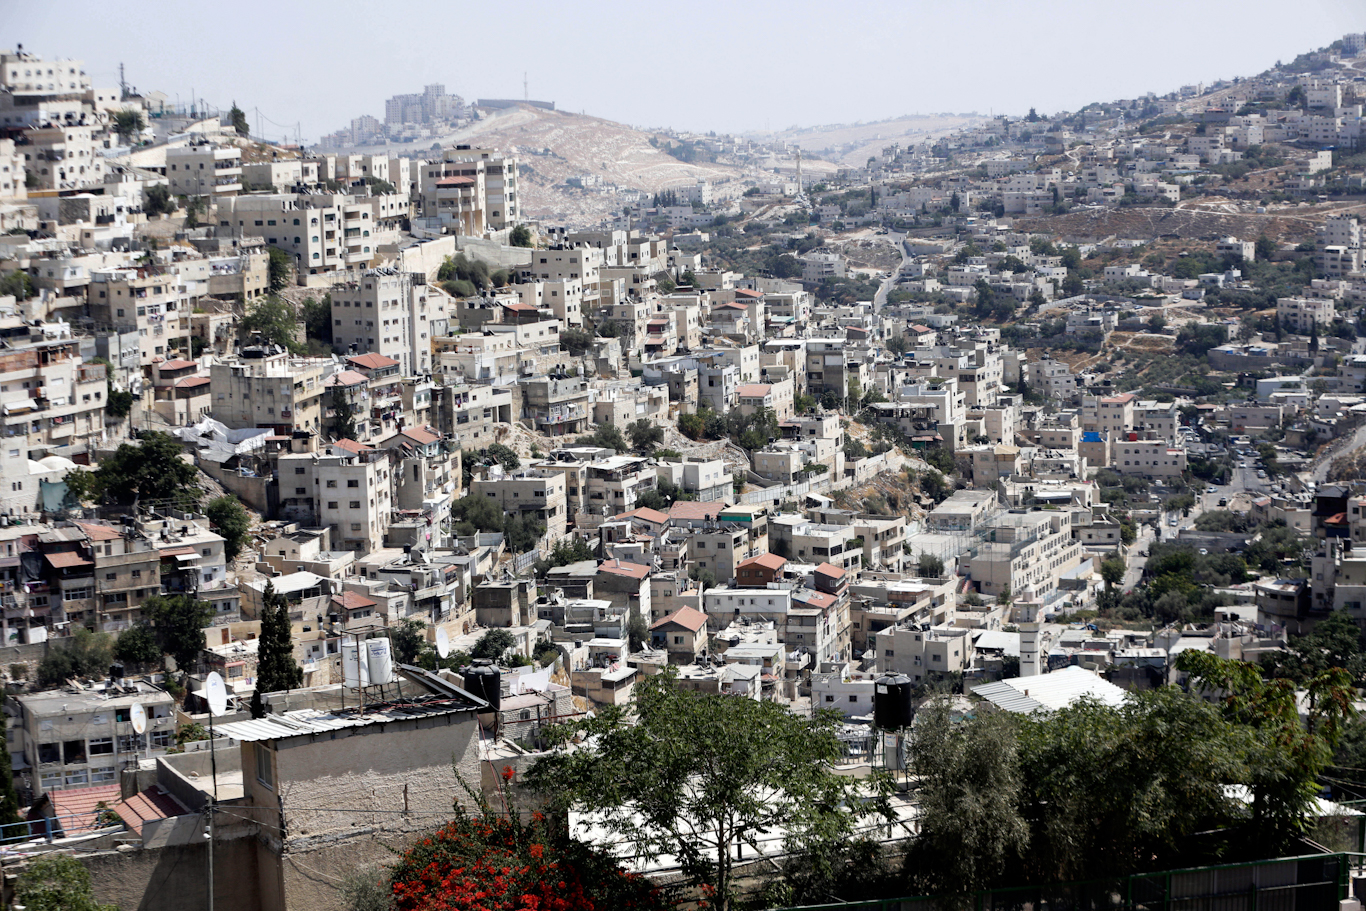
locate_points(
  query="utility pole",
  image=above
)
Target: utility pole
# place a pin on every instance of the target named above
(123, 85)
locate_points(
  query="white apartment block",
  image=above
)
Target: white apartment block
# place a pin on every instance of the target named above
(346, 487)
(152, 303)
(1023, 550)
(49, 397)
(532, 494)
(204, 170)
(389, 313)
(280, 392)
(1150, 458)
(1301, 313)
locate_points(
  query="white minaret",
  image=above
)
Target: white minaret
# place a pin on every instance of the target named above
(1029, 649)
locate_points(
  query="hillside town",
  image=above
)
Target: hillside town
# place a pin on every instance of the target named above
(1036, 415)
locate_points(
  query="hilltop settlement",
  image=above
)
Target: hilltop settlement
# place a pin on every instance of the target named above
(335, 485)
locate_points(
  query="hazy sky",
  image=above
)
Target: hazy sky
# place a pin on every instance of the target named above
(725, 65)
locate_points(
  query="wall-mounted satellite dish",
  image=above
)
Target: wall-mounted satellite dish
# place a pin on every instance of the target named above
(443, 642)
(216, 693)
(137, 716)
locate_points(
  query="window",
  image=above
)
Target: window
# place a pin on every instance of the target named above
(100, 746)
(829, 698)
(264, 773)
(73, 751)
(49, 752)
(102, 776)
(853, 699)
(161, 739)
(331, 504)
(355, 504)
(353, 483)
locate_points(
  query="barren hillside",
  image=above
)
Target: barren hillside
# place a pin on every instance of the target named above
(852, 143)
(554, 146)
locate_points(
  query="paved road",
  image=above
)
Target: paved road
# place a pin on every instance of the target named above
(1357, 440)
(880, 299)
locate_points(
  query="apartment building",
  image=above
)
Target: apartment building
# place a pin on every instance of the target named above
(152, 303)
(277, 391)
(776, 397)
(348, 487)
(924, 655)
(1023, 549)
(390, 313)
(85, 739)
(1150, 458)
(532, 494)
(204, 169)
(50, 397)
(324, 233)
(65, 155)
(1300, 314)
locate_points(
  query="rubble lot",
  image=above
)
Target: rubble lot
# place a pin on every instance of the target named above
(1096, 224)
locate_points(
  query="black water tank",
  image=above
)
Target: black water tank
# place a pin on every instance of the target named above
(892, 707)
(484, 680)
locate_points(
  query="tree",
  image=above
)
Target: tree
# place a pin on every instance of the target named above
(317, 318)
(637, 630)
(1266, 248)
(237, 119)
(18, 284)
(969, 792)
(343, 415)
(151, 470)
(1285, 755)
(56, 882)
(493, 644)
(129, 123)
(278, 267)
(645, 435)
(276, 669)
(1157, 324)
(159, 200)
(954, 201)
(179, 622)
(606, 436)
(698, 776)
(1112, 570)
(230, 518)
(930, 567)
(408, 636)
(275, 321)
(137, 646)
(576, 341)
(9, 800)
(83, 654)
(504, 455)
(520, 236)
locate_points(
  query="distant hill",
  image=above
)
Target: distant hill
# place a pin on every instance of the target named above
(554, 146)
(851, 144)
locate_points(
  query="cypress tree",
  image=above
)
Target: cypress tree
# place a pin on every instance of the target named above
(275, 667)
(9, 800)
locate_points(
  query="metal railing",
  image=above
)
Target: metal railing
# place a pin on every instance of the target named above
(1316, 882)
(54, 827)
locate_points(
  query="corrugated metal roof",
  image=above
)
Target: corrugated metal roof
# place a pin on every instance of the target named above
(312, 721)
(1048, 692)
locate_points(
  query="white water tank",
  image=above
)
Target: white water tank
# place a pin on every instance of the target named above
(380, 660)
(355, 665)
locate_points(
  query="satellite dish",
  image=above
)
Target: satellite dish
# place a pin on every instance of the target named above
(216, 693)
(137, 715)
(443, 642)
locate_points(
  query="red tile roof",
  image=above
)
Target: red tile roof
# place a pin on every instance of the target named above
(67, 558)
(769, 561)
(745, 292)
(352, 446)
(618, 568)
(754, 390)
(352, 600)
(191, 382)
(372, 361)
(80, 803)
(826, 569)
(690, 509)
(177, 364)
(653, 516)
(176, 551)
(520, 308)
(419, 435)
(148, 806)
(99, 532)
(455, 181)
(690, 618)
(814, 599)
(345, 378)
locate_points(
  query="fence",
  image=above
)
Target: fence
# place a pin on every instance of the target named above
(522, 561)
(1313, 883)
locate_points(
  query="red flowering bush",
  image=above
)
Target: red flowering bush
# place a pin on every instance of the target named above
(488, 863)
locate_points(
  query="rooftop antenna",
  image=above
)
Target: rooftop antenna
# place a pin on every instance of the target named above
(123, 85)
